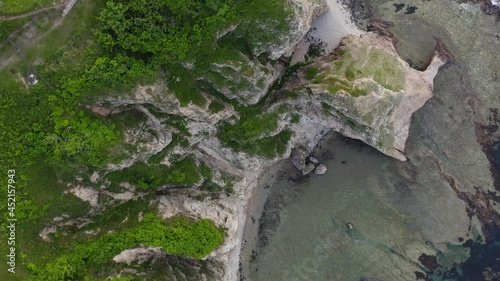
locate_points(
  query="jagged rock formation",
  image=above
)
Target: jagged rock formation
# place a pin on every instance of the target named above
(304, 11)
(244, 78)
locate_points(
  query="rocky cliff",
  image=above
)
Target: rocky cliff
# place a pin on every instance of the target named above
(363, 90)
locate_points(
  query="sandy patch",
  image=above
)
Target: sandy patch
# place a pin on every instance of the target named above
(329, 28)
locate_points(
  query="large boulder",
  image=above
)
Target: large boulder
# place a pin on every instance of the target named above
(298, 157)
(299, 23)
(320, 169)
(308, 168)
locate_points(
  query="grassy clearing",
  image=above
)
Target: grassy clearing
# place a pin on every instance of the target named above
(16, 7)
(74, 34)
(7, 27)
(40, 199)
(366, 62)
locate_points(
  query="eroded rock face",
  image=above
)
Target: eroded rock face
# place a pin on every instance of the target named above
(303, 12)
(244, 79)
(298, 157)
(365, 91)
(139, 255)
(248, 79)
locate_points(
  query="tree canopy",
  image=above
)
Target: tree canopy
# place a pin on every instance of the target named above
(162, 27)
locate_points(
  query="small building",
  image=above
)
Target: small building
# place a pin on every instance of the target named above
(31, 79)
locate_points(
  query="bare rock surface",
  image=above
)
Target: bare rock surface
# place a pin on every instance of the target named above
(139, 255)
(309, 167)
(298, 157)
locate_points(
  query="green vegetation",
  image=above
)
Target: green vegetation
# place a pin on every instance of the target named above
(178, 236)
(142, 175)
(171, 34)
(7, 27)
(335, 83)
(176, 140)
(326, 107)
(216, 106)
(367, 62)
(182, 83)
(50, 136)
(14, 7)
(164, 29)
(210, 186)
(295, 118)
(314, 51)
(356, 92)
(247, 135)
(310, 72)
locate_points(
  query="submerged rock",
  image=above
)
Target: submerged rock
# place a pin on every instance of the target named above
(320, 169)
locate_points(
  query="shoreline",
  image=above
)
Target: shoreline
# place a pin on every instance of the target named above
(253, 213)
(328, 28)
(283, 173)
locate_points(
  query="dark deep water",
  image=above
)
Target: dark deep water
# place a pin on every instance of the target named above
(483, 264)
(497, 156)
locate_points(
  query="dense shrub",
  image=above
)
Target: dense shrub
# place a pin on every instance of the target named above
(179, 236)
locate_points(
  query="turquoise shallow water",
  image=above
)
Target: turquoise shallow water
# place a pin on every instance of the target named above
(413, 220)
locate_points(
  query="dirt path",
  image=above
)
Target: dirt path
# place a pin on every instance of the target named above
(59, 6)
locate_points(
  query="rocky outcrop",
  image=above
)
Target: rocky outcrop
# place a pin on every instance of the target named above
(298, 157)
(304, 11)
(245, 77)
(366, 92)
(138, 255)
